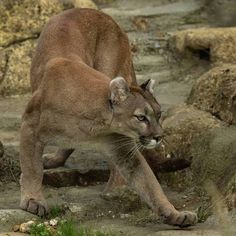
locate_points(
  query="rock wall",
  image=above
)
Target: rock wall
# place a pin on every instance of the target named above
(21, 22)
(204, 131)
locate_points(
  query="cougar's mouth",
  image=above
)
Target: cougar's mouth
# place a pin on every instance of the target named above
(148, 142)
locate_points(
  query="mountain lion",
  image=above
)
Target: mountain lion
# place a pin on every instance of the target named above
(85, 90)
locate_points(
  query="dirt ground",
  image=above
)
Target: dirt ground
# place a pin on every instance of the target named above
(149, 24)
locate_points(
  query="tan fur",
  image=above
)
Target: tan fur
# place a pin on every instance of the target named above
(76, 99)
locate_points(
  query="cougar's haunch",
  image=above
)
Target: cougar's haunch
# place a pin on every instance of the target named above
(85, 90)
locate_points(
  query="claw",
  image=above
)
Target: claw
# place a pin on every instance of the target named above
(182, 219)
(35, 207)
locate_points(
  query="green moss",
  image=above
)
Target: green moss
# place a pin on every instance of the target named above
(56, 211)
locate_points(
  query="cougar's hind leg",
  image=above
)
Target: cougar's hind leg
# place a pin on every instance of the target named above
(56, 159)
(115, 180)
(31, 150)
(160, 164)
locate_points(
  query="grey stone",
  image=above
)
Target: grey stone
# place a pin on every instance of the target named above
(10, 217)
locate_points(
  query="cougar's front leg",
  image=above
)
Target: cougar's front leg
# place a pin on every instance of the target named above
(139, 176)
(31, 150)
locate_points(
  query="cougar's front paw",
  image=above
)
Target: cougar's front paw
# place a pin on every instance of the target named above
(36, 207)
(182, 219)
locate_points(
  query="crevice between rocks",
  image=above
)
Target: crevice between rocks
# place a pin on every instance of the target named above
(202, 54)
(5, 68)
(20, 40)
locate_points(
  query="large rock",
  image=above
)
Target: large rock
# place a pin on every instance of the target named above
(215, 44)
(182, 125)
(10, 217)
(21, 22)
(215, 92)
(214, 159)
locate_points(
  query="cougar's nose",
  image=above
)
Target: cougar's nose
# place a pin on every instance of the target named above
(158, 138)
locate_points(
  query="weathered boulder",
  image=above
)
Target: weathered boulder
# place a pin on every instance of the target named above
(215, 92)
(215, 44)
(182, 125)
(10, 217)
(21, 22)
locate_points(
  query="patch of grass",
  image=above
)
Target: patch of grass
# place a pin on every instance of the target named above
(56, 211)
(65, 228)
(70, 229)
(40, 230)
(203, 212)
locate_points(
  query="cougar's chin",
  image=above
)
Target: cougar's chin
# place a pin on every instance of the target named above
(152, 144)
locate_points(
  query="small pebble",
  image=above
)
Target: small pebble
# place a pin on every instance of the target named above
(16, 228)
(124, 216)
(53, 222)
(25, 227)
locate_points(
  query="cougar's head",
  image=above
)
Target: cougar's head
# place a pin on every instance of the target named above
(136, 112)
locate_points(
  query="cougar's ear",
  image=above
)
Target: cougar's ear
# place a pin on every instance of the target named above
(148, 85)
(119, 90)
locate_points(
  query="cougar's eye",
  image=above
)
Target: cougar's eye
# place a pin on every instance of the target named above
(141, 118)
